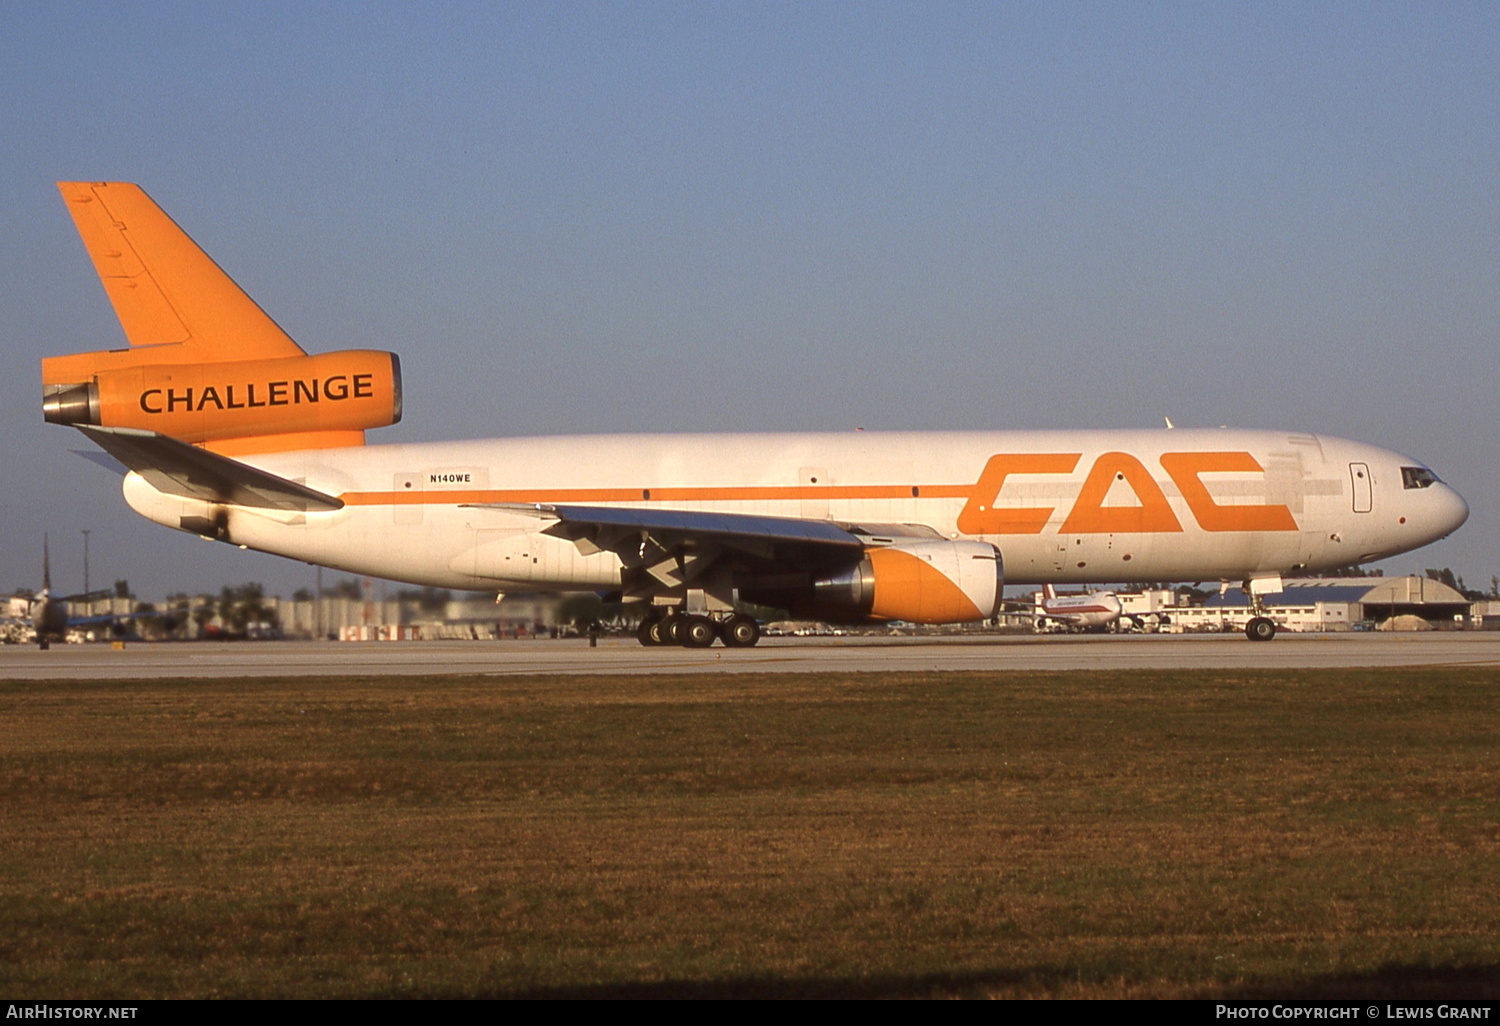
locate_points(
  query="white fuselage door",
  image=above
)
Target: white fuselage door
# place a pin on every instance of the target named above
(1359, 476)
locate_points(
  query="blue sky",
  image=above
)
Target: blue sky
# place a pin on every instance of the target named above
(577, 217)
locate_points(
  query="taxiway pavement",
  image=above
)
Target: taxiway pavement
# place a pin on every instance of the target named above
(775, 655)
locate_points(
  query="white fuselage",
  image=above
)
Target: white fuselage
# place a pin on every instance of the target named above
(1061, 506)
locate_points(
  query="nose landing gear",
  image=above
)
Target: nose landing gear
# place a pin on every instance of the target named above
(1260, 628)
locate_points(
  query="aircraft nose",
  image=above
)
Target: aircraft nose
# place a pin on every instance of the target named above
(1451, 511)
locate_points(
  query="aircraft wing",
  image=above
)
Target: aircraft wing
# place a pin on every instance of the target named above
(98, 595)
(633, 533)
(178, 468)
(1030, 611)
(687, 522)
(89, 621)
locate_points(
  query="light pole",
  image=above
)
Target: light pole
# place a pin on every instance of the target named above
(86, 570)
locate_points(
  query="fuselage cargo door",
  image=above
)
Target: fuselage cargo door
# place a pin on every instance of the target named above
(1359, 476)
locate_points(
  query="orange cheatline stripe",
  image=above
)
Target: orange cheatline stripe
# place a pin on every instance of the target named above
(581, 495)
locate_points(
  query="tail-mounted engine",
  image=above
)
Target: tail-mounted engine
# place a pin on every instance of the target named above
(917, 581)
(210, 402)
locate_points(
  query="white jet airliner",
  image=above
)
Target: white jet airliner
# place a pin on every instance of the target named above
(231, 431)
(1096, 610)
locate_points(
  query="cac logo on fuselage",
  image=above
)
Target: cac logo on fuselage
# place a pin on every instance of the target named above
(1152, 513)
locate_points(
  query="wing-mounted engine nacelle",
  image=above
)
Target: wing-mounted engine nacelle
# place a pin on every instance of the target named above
(208, 402)
(919, 582)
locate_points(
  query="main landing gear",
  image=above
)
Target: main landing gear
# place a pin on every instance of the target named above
(694, 630)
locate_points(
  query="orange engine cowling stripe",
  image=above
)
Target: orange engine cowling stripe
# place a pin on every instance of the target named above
(907, 587)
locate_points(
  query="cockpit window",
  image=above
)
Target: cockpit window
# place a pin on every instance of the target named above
(1417, 477)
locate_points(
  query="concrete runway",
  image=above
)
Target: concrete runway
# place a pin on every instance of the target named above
(139, 660)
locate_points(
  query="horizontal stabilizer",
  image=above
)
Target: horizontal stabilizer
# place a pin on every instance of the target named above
(177, 468)
(102, 459)
(97, 595)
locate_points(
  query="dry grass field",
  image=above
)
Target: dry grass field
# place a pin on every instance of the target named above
(1332, 833)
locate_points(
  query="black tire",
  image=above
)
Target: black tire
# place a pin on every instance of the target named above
(739, 631)
(671, 629)
(648, 632)
(698, 631)
(1260, 629)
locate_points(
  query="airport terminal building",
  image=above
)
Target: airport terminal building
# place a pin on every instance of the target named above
(1325, 604)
